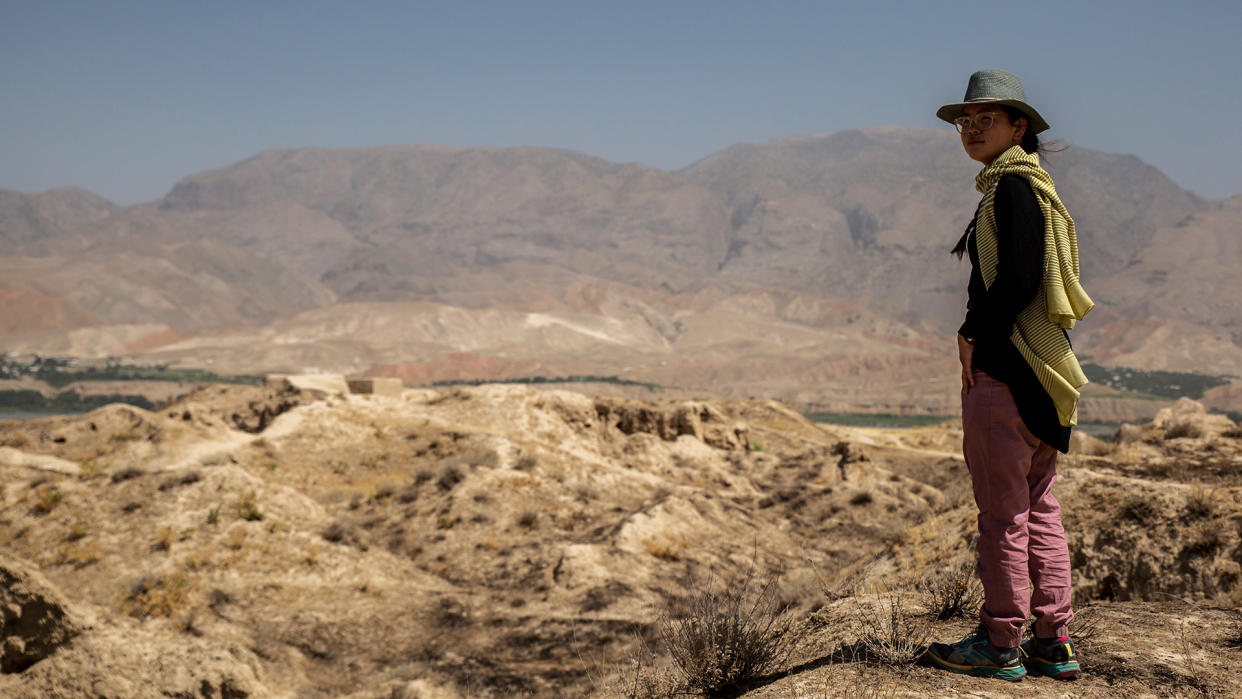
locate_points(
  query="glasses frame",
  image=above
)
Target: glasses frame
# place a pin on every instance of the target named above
(966, 122)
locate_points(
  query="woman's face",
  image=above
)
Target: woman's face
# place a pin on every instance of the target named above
(984, 146)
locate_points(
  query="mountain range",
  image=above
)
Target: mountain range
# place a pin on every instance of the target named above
(812, 268)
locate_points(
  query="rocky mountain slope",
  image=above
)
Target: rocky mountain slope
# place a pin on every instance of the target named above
(501, 540)
(801, 268)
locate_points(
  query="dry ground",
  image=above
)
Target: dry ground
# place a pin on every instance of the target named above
(502, 541)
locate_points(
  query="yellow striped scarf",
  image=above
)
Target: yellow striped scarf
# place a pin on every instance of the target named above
(1039, 331)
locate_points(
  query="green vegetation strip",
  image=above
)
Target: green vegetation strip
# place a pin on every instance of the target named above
(1159, 384)
(59, 372)
(550, 379)
(877, 419)
(69, 402)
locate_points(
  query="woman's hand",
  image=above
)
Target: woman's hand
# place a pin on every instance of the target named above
(965, 354)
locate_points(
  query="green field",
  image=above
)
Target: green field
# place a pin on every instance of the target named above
(1156, 384)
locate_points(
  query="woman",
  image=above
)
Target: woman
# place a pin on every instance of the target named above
(1020, 383)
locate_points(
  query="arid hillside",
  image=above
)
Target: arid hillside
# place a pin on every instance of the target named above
(810, 269)
(300, 540)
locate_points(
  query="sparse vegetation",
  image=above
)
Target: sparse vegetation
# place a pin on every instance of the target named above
(248, 507)
(1201, 503)
(161, 594)
(77, 530)
(955, 592)
(890, 633)
(876, 419)
(90, 468)
(862, 498)
(664, 547)
(1183, 429)
(164, 538)
(1142, 508)
(1162, 384)
(549, 380)
(729, 637)
(47, 497)
(528, 519)
(449, 477)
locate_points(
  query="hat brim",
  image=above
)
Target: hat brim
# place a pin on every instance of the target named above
(949, 112)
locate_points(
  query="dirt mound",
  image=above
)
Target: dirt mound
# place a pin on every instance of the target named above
(33, 617)
(247, 408)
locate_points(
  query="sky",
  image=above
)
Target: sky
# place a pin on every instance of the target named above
(124, 98)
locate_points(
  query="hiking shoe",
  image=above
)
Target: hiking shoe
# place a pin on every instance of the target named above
(975, 655)
(1057, 659)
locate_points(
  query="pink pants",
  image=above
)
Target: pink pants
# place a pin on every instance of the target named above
(1023, 557)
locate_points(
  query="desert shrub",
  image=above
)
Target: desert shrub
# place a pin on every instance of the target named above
(90, 468)
(527, 519)
(1204, 540)
(1200, 504)
(47, 498)
(127, 474)
(1144, 509)
(77, 530)
(526, 463)
(956, 592)
(665, 547)
(891, 634)
(157, 595)
(248, 507)
(15, 440)
(729, 637)
(163, 539)
(863, 498)
(1084, 628)
(449, 478)
(1183, 429)
(644, 674)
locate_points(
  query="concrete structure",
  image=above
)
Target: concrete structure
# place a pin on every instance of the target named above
(376, 387)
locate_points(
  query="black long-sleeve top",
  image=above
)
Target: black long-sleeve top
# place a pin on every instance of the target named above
(991, 313)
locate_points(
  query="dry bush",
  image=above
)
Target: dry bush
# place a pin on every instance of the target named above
(665, 547)
(16, 440)
(157, 595)
(728, 638)
(47, 498)
(956, 592)
(1141, 508)
(641, 675)
(1084, 628)
(891, 634)
(1183, 429)
(1201, 503)
(528, 519)
(248, 507)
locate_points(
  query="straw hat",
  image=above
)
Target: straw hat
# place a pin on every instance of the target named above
(995, 87)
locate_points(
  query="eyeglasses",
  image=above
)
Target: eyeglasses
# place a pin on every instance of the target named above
(981, 122)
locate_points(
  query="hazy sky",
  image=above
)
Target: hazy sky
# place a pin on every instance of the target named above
(125, 98)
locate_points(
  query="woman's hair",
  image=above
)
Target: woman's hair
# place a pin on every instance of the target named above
(1030, 140)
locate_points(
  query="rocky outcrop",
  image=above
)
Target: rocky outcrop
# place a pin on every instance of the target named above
(672, 420)
(34, 619)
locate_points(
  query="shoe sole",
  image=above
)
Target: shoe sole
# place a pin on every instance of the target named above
(1057, 671)
(1009, 674)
